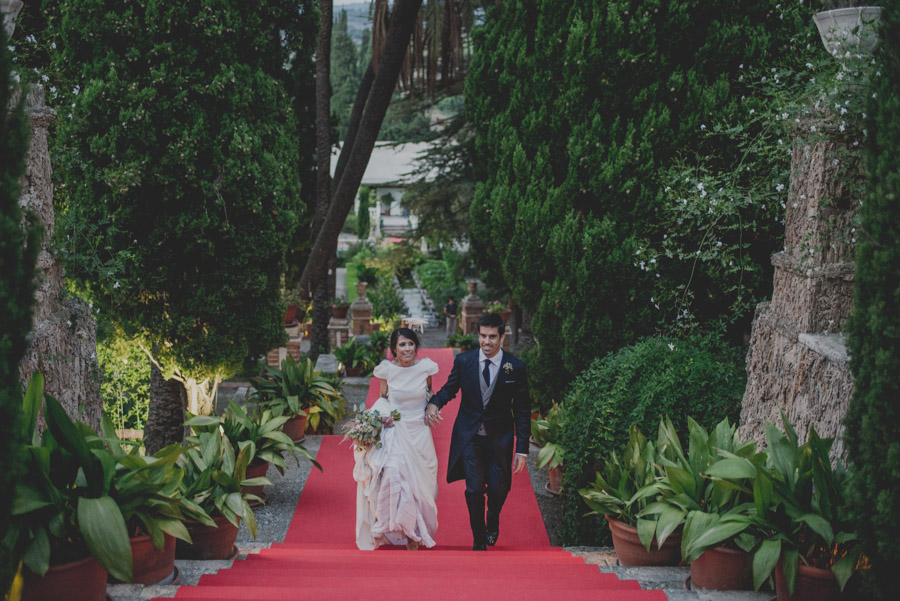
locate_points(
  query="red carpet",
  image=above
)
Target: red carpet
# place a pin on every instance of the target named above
(319, 560)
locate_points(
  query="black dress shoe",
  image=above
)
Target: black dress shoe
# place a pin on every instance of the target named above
(479, 547)
(492, 538)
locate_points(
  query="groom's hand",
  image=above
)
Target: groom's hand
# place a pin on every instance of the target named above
(432, 415)
(519, 464)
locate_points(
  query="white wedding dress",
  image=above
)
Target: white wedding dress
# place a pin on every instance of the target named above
(397, 484)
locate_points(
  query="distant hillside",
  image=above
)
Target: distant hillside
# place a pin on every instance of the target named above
(357, 19)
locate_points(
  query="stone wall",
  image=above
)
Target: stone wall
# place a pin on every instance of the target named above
(62, 343)
(797, 362)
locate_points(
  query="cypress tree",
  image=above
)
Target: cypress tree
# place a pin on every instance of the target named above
(18, 252)
(873, 422)
(578, 110)
(363, 222)
(179, 165)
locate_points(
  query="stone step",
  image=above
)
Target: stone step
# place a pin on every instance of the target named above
(670, 579)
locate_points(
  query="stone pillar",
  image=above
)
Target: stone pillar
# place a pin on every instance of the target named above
(361, 310)
(797, 362)
(472, 308)
(338, 331)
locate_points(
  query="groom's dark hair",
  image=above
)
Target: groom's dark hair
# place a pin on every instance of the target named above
(492, 320)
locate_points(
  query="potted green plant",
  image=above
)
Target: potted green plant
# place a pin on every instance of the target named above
(620, 494)
(804, 535)
(339, 307)
(261, 428)
(379, 342)
(299, 392)
(707, 491)
(547, 433)
(214, 477)
(355, 358)
(66, 527)
(464, 342)
(146, 489)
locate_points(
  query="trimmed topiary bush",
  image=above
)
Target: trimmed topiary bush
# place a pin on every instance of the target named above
(635, 386)
(873, 422)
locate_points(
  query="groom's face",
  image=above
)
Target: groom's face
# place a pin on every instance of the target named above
(489, 340)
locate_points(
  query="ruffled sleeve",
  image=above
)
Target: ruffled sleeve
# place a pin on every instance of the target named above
(382, 370)
(430, 366)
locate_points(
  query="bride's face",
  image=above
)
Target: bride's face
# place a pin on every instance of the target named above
(406, 350)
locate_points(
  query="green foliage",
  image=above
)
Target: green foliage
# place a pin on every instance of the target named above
(178, 152)
(437, 277)
(18, 252)
(63, 504)
(126, 383)
(614, 492)
(547, 432)
(259, 429)
(214, 477)
(363, 220)
(298, 388)
(353, 354)
(465, 342)
(345, 73)
(379, 342)
(386, 300)
(636, 386)
(580, 112)
(873, 423)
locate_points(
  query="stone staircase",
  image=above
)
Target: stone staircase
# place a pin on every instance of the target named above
(671, 580)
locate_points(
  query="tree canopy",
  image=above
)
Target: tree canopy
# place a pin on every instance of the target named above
(580, 111)
(180, 174)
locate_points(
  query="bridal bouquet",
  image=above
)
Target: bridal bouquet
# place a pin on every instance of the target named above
(366, 428)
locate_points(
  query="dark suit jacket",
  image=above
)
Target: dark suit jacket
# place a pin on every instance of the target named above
(508, 413)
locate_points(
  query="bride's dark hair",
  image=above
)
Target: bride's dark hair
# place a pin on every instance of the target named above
(406, 333)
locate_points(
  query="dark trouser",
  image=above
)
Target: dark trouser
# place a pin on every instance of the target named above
(484, 476)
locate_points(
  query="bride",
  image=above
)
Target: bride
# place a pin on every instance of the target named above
(397, 483)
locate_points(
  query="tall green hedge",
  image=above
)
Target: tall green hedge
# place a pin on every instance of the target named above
(18, 252)
(873, 422)
(580, 109)
(180, 168)
(697, 377)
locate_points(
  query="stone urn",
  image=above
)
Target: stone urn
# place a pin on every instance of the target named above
(10, 11)
(361, 289)
(849, 30)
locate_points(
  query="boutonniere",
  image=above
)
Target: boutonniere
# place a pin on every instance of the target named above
(507, 367)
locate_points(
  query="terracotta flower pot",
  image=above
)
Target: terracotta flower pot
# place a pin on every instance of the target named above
(256, 470)
(353, 372)
(722, 569)
(340, 311)
(296, 427)
(632, 553)
(82, 580)
(813, 584)
(556, 475)
(151, 565)
(209, 542)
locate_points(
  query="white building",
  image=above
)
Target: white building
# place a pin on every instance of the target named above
(388, 175)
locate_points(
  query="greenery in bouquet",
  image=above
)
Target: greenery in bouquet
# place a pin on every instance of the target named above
(365, 430)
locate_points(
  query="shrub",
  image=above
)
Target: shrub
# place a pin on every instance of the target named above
(126, 383)
(873, 423)
(438, 279)
(386, 299)
(635, 386)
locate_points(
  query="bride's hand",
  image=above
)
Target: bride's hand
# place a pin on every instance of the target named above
(432, 416)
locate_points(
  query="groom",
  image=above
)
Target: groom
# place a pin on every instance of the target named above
(494, 408)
